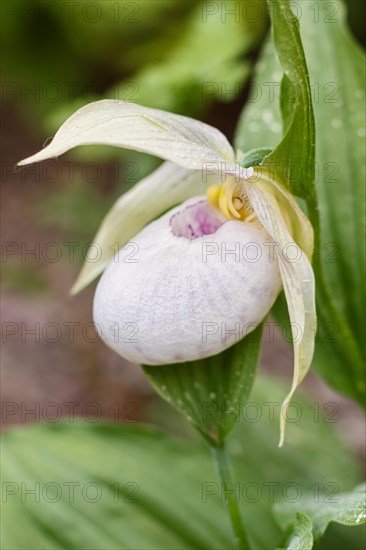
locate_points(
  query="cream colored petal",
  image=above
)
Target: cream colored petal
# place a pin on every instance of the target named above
(185, 141)
(298, 282)
(303, 232)
(166, 187)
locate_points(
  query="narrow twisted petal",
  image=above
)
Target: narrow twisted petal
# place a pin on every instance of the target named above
(303, 232)
(166, 187)
(198, 285)
(185, 141)
(298, 283)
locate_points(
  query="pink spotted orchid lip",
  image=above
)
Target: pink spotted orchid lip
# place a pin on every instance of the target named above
(196, 220)
(184, 295)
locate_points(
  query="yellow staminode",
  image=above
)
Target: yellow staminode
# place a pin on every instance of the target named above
(226, 198)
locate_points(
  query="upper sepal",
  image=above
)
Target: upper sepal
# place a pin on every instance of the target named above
(185, 141)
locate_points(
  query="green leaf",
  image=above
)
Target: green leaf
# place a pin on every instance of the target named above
(254, 157)
(305, 465)
(337, 74)
(301, 537)
(293, 160)
(259, 125)
(209, 392)
(340, 536)
(106, 486)
(345, 508)
(267, 474)
(179, 501)
(340, 75)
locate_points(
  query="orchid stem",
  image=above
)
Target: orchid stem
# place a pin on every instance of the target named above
(227, 487)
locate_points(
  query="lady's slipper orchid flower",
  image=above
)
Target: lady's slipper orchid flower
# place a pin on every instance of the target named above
(209, 265)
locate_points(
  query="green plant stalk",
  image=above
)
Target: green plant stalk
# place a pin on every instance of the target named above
(224, 470)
